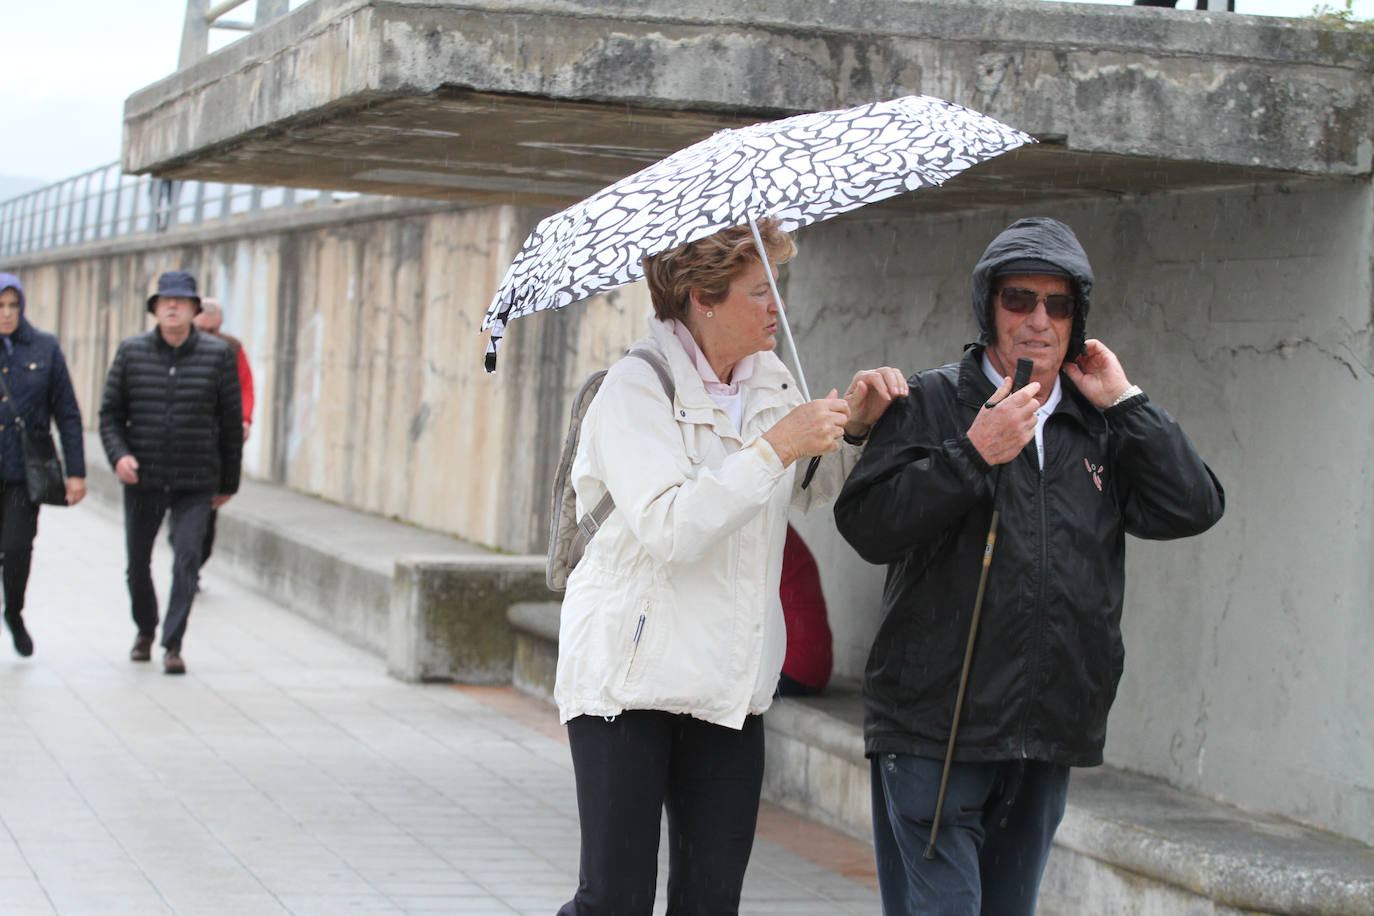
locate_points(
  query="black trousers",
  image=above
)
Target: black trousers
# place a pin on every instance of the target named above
(208, 545)
(143, 514)
(630, 769)
(18, 527)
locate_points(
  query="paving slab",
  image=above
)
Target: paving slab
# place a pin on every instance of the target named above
(286, 773)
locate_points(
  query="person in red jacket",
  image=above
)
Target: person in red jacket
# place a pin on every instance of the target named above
(209, 319)
(806, 666)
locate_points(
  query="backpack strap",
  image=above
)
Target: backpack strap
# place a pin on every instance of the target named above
(592, 521)
(567, 540)
(660, 369)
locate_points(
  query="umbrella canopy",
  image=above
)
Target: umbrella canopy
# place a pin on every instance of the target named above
(798, 170)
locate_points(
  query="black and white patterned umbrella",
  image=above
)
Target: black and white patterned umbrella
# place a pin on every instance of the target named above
(799, 170)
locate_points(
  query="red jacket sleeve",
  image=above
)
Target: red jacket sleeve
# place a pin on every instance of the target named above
(246, 386)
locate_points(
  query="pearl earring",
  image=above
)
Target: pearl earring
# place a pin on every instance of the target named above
(710, 314)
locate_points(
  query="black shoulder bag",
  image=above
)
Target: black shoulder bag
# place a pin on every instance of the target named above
(42, 468)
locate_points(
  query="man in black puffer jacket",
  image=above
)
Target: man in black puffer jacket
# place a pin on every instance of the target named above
(1074, 462)
(170, 422)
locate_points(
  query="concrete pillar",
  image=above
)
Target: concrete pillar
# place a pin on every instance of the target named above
(195, 34)
(269, 10)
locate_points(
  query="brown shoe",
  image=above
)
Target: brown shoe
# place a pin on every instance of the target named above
(172, 663)
(143, 648)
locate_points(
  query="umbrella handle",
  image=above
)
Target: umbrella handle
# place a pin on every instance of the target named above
(963, 679)
(782, 311)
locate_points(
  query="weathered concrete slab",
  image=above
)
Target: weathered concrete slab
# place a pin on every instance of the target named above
(1202, 850)
(543, 102)
(448, 616)
(536, 646)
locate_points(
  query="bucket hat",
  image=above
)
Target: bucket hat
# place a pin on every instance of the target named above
(175, 283)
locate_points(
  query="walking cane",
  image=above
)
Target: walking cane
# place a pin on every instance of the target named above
(1023, 372)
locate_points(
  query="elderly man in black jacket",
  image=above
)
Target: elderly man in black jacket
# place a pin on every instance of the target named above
(1074, 461)
(170, 424)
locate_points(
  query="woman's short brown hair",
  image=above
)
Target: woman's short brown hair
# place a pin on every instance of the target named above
(709, 265)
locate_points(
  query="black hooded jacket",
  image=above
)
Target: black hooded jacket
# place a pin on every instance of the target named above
(175, 409)
(1049, 652)
(40, 393)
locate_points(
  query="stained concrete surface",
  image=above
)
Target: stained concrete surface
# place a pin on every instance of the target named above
(544, 101)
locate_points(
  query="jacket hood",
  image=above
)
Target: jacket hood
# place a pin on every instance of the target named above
(1043, 239)
(10, 281)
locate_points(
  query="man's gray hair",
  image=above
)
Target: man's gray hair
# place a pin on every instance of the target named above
(208, 304)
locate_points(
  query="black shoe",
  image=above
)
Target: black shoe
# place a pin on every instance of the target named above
(143, 648)
(23, 643)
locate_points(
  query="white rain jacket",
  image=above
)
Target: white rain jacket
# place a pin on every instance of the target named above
(674, 606)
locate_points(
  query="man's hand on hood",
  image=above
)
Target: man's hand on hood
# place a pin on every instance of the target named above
(1097, 373)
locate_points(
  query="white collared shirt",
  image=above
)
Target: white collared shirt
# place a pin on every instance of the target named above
(1041, 415)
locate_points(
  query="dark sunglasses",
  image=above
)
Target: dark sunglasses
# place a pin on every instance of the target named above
(1021, 301)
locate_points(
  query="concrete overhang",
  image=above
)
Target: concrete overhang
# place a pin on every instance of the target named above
(545, 102)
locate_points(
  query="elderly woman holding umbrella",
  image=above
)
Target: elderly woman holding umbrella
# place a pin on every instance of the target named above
(671, 635)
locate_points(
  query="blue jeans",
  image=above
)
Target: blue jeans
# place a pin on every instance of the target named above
(996, 830)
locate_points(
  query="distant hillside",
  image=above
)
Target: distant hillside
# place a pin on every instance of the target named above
(13, 185)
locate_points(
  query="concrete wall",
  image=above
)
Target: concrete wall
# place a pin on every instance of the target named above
(1244, 312)
(1247, 314)
(361, 329)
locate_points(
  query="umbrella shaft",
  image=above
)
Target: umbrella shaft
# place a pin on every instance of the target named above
(782, 311)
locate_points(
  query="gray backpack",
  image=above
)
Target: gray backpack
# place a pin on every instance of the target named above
(569, 535)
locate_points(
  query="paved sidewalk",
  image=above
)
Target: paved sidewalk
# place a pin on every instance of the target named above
(286, 773)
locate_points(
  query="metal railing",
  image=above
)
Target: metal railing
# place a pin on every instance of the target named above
(105, 203)
(201, 17)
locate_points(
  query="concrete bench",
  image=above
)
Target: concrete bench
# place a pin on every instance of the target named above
(535, 624)
(432, 605)
(1128, 843)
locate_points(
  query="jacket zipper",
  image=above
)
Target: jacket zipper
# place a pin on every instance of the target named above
(634, 650)
(1037, 649)
(167, 430)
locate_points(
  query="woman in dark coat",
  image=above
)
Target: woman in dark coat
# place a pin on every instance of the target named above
(40, 391)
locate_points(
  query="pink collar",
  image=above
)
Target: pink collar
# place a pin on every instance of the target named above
(743, 369)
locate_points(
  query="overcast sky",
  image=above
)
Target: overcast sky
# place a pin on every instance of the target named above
(69, 65)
